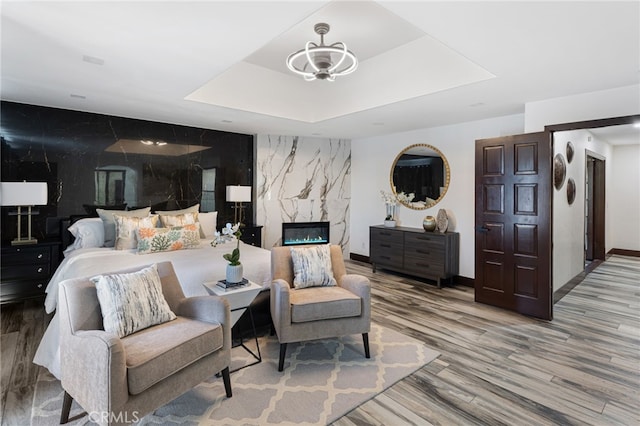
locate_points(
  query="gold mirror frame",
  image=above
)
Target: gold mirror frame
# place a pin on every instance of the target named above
(421, 205)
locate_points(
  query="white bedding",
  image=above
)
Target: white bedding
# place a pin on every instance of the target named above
(193, 267)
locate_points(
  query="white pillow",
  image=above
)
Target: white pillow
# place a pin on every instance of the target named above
(88, 233)
(312, 266)
(110, 224)
(132, 301)
(208, 223)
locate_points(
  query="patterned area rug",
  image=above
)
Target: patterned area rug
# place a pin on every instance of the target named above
(322, 381)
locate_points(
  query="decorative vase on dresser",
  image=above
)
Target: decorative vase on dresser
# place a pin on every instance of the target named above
(413, 251)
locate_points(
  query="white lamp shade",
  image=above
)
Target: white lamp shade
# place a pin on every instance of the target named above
(239, 193)
(23, 193)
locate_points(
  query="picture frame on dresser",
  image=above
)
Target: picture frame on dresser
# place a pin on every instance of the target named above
(413, 251)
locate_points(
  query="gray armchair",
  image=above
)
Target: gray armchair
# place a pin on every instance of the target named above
(120, 379)
(318, 312)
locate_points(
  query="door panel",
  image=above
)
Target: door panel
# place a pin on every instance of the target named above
(513, 223)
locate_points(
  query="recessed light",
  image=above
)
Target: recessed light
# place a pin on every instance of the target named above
(316, 134)
(378, 123)
(477, 104)
(73, 95)
(227, 121)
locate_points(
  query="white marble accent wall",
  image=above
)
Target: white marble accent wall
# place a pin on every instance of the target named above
(303, 179)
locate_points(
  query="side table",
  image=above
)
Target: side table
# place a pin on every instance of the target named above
(239, 299)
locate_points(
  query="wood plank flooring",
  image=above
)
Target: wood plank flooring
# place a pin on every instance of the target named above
(496, 367)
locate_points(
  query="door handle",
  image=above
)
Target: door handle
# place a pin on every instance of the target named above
(482, 229)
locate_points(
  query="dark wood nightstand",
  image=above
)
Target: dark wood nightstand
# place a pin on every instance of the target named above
(26, 270)
(252, 234)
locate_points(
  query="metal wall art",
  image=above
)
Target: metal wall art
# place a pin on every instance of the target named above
(571, 191)
(570, 152)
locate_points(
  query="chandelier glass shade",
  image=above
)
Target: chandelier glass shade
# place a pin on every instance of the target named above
(322, 62)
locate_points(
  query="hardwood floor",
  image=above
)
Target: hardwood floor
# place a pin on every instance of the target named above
(496, 367)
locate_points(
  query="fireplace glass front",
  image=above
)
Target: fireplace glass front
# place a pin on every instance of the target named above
(299, 233)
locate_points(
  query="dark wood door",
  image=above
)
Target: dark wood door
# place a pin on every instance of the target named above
(513, 223)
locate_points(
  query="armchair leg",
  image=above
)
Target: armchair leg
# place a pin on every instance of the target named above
(283, 352)
(365, 340)
(227, 382)
(66, 408)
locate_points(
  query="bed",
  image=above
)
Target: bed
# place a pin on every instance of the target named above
(193, 267)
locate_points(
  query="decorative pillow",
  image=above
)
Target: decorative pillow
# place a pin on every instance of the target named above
(110, 224)
(88, 233)
(208, 223)
(132, 302)
(153, 240)
(312, 266)
(126, 229)
(167, 221)
(193, 209)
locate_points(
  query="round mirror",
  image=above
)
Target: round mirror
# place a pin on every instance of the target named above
(420, 170)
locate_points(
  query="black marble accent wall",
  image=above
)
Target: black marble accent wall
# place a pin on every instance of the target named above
(92, 159)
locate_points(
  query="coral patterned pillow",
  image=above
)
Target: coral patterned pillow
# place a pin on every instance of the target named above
(153, 240)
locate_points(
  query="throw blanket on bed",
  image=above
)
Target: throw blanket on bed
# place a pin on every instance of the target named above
(193, 267)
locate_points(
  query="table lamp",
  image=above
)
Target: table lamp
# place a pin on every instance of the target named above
(23, 194)
(238, 194)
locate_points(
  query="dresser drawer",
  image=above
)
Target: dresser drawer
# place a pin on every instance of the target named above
(423, 266)
(387, 237)
(25, 271)
(391, 255)
(22, 289)
(17, 255)
(429, 240)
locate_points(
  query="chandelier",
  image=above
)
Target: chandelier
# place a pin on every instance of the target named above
(321, 62)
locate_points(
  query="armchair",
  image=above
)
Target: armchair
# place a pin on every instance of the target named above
(318, 312)
(122, 379)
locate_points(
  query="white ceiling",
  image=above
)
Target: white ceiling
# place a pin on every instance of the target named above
(220, 64)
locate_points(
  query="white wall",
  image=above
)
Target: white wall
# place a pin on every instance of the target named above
(624, 198)
(569, 220)
(611, 103)
(370, 170)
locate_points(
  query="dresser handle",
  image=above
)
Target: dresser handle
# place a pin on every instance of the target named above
(385, 245)
(423, 265)
(39, 269)
(39, 255)
(424, 238)
(423, 251)
(39, 285)
(386, 257)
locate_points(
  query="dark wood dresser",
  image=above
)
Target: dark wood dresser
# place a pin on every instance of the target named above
(413, 251)
(252, 234)
(26, 270)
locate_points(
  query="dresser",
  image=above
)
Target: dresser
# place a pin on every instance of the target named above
(413, 251)
(26, 270)
(252, 234)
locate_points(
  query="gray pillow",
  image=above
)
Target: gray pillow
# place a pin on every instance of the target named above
(312, 266)
(110, 225)
(132, 301)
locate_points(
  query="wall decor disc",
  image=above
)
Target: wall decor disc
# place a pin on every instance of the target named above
(569, 152)
(571, 191)
(559, 171)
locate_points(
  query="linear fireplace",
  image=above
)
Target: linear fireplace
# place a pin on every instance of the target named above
(297, 233)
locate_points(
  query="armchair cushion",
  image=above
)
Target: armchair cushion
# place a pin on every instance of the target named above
(322, 303)
(158, 352)
(132, 301)
(312, 266)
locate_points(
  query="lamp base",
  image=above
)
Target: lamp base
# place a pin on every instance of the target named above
(23, 242)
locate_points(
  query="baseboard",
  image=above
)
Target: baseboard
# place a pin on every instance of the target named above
(359, 257)
(573, 282)
(464, 281)
(623, 252)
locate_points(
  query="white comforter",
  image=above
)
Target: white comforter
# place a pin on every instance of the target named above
(193, 267)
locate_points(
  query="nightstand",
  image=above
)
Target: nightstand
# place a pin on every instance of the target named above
(252, 234)
(26, 270)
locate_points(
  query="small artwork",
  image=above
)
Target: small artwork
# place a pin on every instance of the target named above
(570, 152)
(559, 171)
(571, 191)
